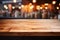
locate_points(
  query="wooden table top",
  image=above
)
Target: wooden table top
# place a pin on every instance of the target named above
(29, 27)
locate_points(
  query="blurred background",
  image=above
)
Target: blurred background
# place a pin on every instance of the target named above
(30, 9)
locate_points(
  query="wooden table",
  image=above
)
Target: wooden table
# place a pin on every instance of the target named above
(31, 27)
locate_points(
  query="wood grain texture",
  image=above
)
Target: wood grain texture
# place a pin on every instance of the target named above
(32, 27)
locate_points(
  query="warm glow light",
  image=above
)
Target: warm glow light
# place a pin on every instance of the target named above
(34, 1)
(46, 7)
(41, 8)
(46, 4)
(54, 2)
(22, 6)
(19, 7)
(32, 7)
(5, 6)
(38, 7)
(57, 7)
(13, 7)
(14, 1)
(30, 3)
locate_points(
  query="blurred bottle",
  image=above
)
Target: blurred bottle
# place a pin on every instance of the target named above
(1, 14)
(59, 15)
